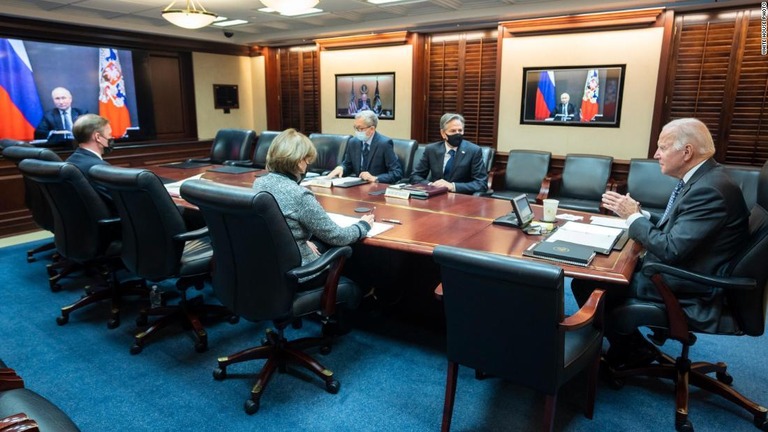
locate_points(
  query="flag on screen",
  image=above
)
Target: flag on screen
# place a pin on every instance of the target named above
(352, 108)
(20, 107)
(545, 95)
(112, 92)
(377, 99)
(591, 93)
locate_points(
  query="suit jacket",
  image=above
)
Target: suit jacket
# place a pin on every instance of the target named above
(706, 227)
(84, 160)
(52, 121)
(559, 110)
(382, 161)
(469, 172)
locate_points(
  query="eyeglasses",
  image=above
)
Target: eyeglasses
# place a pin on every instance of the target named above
(358, 129)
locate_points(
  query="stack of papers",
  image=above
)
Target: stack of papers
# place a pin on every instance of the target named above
(601, 238)
(324, 181)
(345, 221)
(174, 189)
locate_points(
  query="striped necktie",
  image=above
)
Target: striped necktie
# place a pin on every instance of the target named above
(672, 199)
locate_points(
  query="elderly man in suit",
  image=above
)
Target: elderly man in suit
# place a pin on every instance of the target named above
(369, 154)
(564, 111)
(453, 162)
(703, 228)
(62, 117)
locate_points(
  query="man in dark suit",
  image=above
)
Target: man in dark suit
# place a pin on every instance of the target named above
(61, 118)
(564, 111)
(93, 134)
(454, 162)
(703, 228)
(379, 163)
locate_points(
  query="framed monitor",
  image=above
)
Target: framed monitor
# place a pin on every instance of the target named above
(589, 96)
(358, 92)
(226, 97)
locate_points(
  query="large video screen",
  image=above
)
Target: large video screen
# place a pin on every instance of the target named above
(573, 96)
(375, 92)
(100, 80)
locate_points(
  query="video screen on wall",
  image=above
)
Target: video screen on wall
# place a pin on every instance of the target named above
(375, 92)
(40, 81)
(573, 96)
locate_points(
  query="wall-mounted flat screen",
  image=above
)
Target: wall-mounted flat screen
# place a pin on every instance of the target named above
(225, 96)
(573, 95)
(375, 92)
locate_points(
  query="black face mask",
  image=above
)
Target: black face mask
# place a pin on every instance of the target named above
(455, 139)
(110, 146)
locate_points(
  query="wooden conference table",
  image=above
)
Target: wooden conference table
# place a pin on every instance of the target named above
(448, 219)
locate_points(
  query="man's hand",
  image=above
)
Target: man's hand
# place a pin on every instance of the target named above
(622, 205)
(445, 183)
(365, 175)
(337, 172)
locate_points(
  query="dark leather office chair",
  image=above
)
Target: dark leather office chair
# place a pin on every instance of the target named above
(7, 142)
(746, 177)
(260, 153)
(84, 232)
(35, 200)
(746, 289)
(647, 185)
(417, 155)
(257, 274)
(230, 145)
(504, 318)
(583, 181)
(405, 149)
(488, 154)
(330, 151)
(526, 173)
(157, 245)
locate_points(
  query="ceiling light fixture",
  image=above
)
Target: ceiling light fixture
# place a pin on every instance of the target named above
(290, 7)
(193, 17)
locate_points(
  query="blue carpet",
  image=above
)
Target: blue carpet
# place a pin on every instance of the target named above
(392, 373)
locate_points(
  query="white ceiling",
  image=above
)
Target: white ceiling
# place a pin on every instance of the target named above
(339, 17)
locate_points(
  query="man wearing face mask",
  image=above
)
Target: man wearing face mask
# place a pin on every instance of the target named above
(93, 134)
(454, 162)
(369, 154)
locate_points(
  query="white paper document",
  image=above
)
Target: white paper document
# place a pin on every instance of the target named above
(601, 238)
(346, 221)
(174, 189)
(609, 222)
(326, 182)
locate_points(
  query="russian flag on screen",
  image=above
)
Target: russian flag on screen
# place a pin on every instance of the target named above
(545, 95)
(112, 92)
(20, 108)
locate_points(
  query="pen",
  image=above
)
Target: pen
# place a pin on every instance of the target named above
(392, 221)
(372, 210)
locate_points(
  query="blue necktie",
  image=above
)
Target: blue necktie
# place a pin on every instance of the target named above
(449, 164)
(366, 148)
(672, 199)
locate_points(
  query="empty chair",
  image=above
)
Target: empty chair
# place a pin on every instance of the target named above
(330, 151)
(230, 145)
(504, 318)
(7, 142)
(649, 186)
(84, 232)
(160, 250)
(260, 153)
(525, 173)
(584, 180)
(488, 154)
(405, 149)
(746, 177)
(258, 275)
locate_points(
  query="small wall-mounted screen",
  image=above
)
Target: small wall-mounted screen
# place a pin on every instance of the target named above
(225, 96)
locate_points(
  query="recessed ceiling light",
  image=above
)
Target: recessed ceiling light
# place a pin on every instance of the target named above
(230, 23)
(393, 1)
(292, 14)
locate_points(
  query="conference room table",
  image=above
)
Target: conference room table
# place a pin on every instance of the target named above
(448, 219)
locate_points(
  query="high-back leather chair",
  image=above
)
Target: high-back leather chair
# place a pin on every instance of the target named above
(746, 177)
(405, 150)
(259, 276)
(584, 180)
(259, 153)
(504, 318)
(649, 186)
(330, 151)
(33, 196)
(161, 249)
(84, 232)
(525, 173)
(417, 155)
(230, 145)
(745, 285)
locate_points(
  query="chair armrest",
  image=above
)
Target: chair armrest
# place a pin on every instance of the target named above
(10, 380)
(191, 235)
(491, 173)
(18, 422)
(705, 280)
(241, 163)
(334, 260)
(204, 160)
(591, 311)
(485, 193)
(618, 186)
(318, 265)
(550, 187)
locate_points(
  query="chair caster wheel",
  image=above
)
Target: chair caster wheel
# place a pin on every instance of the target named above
(136, 348)
(201, 347)
(62, 320)
(234, 319)
(685, 426)
(761, 423)
(325, 349)
(724, 378)
(113, 323)
(332, 386)
(251, 407)
(219, 374)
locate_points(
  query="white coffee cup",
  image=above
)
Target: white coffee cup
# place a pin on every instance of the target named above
(550, 209)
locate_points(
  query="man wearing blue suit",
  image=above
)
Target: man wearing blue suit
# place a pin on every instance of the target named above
(454, 162)
(369, 154)
(93, 134)
(61, 118)
(703, 228)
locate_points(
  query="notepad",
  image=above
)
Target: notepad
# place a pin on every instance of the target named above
(174, 189)
(345, 221)
(600, 238)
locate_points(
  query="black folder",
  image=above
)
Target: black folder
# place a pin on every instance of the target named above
(561, 251)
